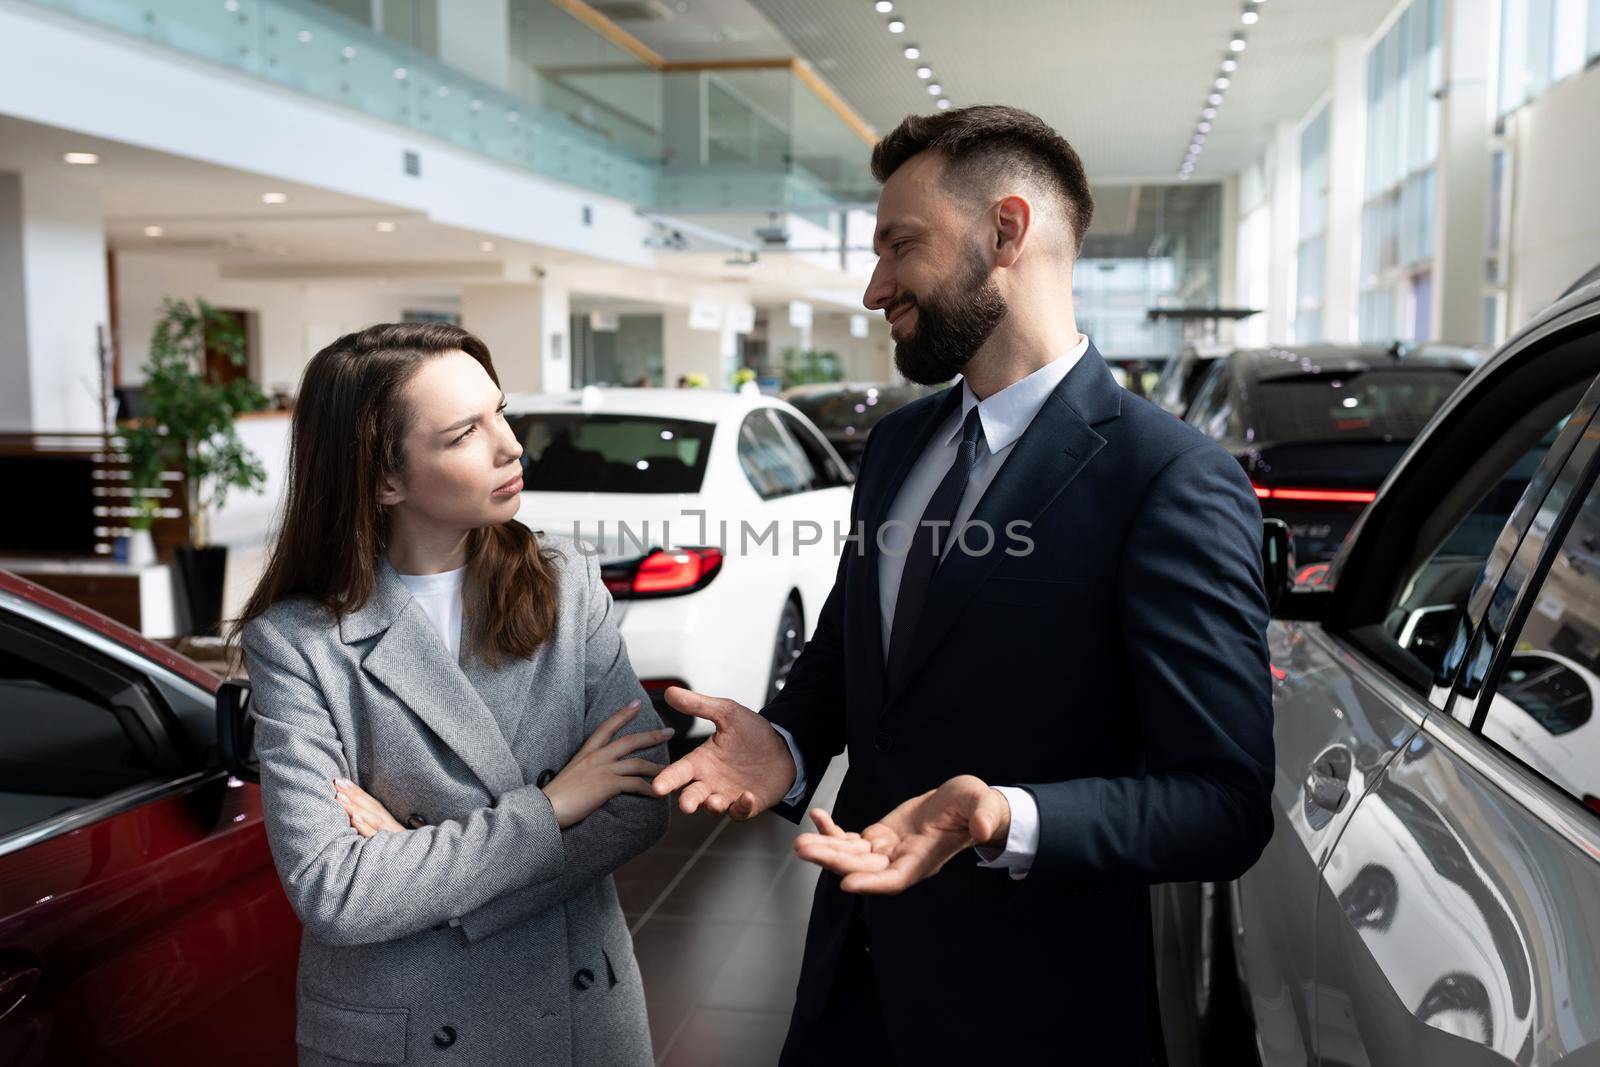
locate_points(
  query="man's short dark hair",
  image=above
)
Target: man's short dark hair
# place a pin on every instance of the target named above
(981, 142)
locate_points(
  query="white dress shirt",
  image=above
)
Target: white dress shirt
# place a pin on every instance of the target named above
(440, 598)
(1005, 416)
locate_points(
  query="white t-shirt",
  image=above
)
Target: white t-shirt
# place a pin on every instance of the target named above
(440, 598)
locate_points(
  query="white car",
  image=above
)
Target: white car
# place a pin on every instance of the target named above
(718, 518)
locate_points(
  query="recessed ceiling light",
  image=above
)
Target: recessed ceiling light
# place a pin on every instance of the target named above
(1208, 112)
(304, 36)
(935, 89)
(400, 73)
(1250, 17)
(924, 72)
(153, 231)
(347, 52)
(386, 227)
(943, 105)
(883, 7)
(1222, 82)
(897, 25)
(1236, 44)
(81, 159)
(486, 246)
(1214, 99)
(911, 51)
(1199, 139)
(1230, 65)
(274, 198)
(1204, 127)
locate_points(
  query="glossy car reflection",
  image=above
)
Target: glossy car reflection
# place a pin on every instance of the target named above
(141, 918)
(1431, 894)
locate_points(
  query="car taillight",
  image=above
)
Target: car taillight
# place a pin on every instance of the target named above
(1320, 496)
(664, 572)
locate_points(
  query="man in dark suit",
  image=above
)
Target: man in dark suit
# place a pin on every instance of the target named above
(1048, 644)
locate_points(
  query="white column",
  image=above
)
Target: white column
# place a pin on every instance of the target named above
(526, 328)
(1461, 222)
(53, 297)
(1347, 150)
(1285, 231)
(472, 38)
(704, 348)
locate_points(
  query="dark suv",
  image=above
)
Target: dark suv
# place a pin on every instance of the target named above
(1319, 427)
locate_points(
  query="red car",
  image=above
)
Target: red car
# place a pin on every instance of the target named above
(141, 918)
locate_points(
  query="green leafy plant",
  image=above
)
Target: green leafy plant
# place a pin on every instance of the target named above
(808, 366)
(188, 422)
(743, 376)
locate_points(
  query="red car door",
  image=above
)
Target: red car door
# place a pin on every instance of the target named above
(141, 918)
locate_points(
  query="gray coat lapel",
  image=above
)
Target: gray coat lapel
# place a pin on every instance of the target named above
(412, 663)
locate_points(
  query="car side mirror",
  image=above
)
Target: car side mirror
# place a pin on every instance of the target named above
(236, 731)
(1277, 561)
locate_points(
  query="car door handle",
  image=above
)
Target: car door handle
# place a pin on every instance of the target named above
(1327, 782)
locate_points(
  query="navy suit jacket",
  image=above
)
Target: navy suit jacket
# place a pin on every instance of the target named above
(1118, 671)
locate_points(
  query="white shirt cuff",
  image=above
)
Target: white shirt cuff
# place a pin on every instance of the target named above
(1022, 841)
(798, 790)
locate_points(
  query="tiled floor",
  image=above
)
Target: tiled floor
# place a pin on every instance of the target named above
(718, 913)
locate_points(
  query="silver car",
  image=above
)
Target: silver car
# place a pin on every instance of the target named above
(1431, 894)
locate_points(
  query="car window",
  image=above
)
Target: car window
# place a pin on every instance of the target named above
(1422, 619)
(1541, 710)
(1386, 405)
(1210, 398)
(62, 742)
(574, 452)
(830, 472)
(773, 463)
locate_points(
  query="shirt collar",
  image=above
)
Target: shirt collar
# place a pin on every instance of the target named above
(1006, 414)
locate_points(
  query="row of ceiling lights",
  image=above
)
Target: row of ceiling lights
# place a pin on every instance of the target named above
(89, 159)
(896, 24)
(1219, 85)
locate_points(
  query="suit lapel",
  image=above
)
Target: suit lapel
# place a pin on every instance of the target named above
(871, 606)
(1043, 462)
(412, 662)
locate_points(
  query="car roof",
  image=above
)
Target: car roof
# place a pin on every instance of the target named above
(1265, 364)
(698, 405)
(108, 628)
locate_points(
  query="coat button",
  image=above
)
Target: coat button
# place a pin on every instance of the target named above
(416, 822)
(883, 742)
(445, 1036)
(583, 979)
(545, 778)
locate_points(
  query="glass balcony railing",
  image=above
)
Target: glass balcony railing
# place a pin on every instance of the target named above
(567, 96)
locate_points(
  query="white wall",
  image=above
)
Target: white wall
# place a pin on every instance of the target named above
(865, 359)
(1555, 214)
(295, 319)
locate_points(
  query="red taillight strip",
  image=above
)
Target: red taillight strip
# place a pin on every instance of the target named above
(1326, 496)
(666, 572)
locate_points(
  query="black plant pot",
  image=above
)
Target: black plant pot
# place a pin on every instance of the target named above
(201, 571)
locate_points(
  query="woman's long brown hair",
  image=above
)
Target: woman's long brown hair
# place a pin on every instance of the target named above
(347, 433)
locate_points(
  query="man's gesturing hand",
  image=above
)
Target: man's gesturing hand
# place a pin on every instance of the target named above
(743, 769)
(913, 841)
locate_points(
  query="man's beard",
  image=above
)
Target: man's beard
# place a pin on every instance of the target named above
(951, 326)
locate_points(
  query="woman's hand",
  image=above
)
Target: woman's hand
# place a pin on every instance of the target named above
(366, 814)
(604, 768)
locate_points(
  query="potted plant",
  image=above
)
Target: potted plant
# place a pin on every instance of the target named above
(809, 366)
(188, 426)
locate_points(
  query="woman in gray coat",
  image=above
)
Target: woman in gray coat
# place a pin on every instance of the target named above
(455, 753)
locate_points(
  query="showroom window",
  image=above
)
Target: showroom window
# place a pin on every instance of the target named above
(1541, 42)
(1405, 71)
(1312, 253)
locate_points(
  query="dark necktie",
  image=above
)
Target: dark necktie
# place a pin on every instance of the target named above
(921, 560)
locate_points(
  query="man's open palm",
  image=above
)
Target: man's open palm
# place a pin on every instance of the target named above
(743, 769)
(912, 842)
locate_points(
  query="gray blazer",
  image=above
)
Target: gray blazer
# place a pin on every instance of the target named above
(485, 935)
